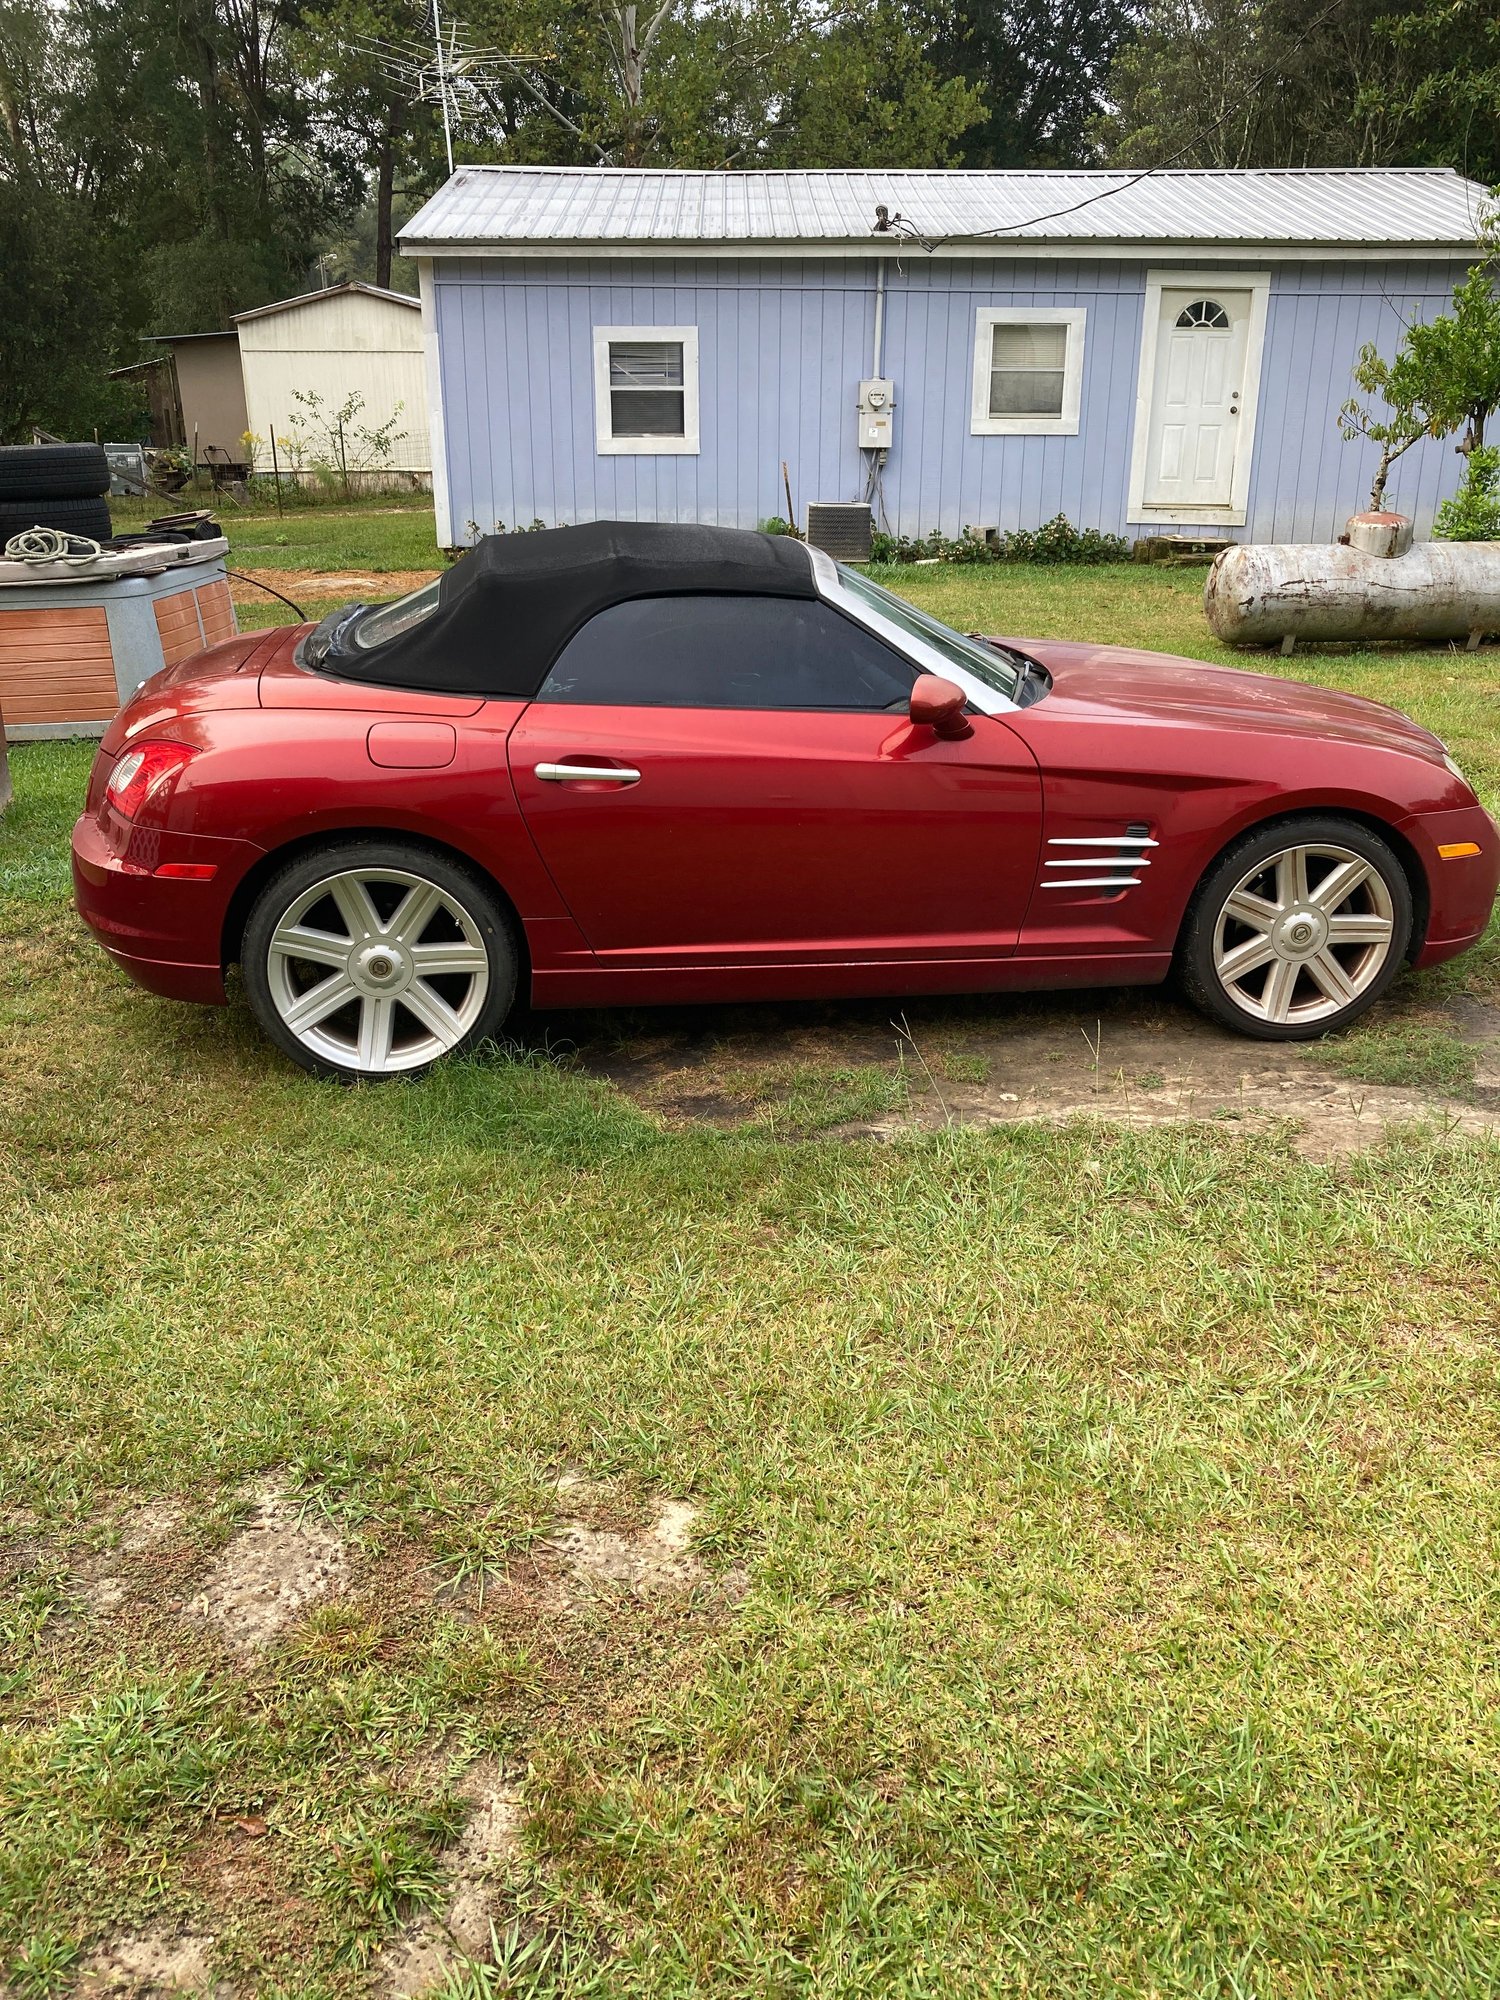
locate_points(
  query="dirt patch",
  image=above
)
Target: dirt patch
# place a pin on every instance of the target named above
(149, 1526)
(656, 1561)
(151, 1964)
(145, 1545)
(350, 584)
(429, 1949)
(1137, 1059)
(280, 1562)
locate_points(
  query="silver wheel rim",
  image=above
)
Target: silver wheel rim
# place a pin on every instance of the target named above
(377, 970)
(1303, 934)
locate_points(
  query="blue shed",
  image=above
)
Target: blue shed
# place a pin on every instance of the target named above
(1163, 355)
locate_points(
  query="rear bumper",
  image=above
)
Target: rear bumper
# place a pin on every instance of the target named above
(165, 933)
(1461, 888)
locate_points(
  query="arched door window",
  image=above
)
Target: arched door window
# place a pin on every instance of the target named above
(1204, 313)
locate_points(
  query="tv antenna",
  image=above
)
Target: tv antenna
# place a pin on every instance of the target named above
(451, 72)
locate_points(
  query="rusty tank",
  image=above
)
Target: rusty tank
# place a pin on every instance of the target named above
(1373, 583)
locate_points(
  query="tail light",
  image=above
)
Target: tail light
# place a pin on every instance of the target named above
(146, 773)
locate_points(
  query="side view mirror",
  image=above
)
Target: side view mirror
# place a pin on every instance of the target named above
(939, 705)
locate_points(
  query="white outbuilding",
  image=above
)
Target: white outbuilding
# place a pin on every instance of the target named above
(304, 359)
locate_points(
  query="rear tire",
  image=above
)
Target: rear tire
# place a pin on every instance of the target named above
(376, 958)
(1297, 929)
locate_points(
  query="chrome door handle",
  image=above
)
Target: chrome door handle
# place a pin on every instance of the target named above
(610, 774)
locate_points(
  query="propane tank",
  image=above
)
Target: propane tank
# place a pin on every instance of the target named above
(1373, 583)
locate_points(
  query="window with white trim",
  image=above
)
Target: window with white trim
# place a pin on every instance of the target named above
(646, 389)
(1028, 371)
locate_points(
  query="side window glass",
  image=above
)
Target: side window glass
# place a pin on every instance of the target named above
(728, 652)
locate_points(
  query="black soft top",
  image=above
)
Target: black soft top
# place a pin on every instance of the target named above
(507, 610)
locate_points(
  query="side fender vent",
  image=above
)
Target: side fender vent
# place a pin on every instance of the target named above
(1112, 861)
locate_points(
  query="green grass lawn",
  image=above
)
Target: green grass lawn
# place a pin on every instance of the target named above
(375, 534)
(1098, 1529)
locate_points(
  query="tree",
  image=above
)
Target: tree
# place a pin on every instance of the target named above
(1040, 69)
(1456, 359)
(1402, 423)
(1257, 83)
(366, 108)
(61, 326)
(719, 83)
(1444, 379)
(1449, 106)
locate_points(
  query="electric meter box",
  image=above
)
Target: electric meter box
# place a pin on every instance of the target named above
(877, 399)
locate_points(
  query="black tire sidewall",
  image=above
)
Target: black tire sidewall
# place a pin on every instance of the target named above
(52, 472)
(464, 884)
(72, 517)
(1195, 958)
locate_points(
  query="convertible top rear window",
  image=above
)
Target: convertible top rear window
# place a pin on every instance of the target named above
(390, 621)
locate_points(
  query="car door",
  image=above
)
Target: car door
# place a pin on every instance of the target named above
(734, 780)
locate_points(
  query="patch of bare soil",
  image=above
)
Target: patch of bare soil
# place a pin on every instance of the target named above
(432, 1947)
(657, 1560)
(151, 1964)
(1136, 1059)
(281, 1561)
(352, 584)
(145, 1548)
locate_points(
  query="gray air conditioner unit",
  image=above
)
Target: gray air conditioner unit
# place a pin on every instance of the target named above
(842, 529)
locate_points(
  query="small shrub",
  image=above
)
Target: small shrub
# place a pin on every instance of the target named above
(1055, 541)
(1473, 514)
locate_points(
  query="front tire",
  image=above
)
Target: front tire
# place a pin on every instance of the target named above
(1297, 929)
(376, 958)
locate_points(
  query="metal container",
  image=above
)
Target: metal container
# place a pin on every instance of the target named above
(1258, 594)
(77, 639)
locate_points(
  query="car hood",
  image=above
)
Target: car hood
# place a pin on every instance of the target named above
(1160, 687)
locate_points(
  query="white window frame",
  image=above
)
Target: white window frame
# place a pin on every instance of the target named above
(1065, 424)
(610, 446)
(1207, 283)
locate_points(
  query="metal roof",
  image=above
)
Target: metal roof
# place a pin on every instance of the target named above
(555, 206)
(216, 333)
(329, 292)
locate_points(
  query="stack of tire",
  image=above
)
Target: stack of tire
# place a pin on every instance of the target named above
(54, 486)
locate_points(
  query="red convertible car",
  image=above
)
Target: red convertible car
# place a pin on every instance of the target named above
(639, 763)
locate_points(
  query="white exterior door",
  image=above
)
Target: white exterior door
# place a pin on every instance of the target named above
(1195, 428)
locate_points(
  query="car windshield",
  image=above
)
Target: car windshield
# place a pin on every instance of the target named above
(388, 621)
(996, 670)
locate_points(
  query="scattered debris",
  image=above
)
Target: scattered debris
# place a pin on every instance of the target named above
(280, 1562)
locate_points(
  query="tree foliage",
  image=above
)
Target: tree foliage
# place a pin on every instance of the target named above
(167, 163)
(1280, 83)
(1443, 381)
(1041, 70)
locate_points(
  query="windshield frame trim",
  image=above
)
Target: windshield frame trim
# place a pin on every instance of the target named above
(988, 700)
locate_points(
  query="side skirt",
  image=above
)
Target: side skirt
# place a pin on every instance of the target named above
(610, 986)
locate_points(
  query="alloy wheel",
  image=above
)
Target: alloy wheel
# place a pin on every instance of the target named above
(1303, 934)
(377, 970)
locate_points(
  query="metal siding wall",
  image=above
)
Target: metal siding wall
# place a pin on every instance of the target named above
(331, 347)
(1305, 480)
(783, 344)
